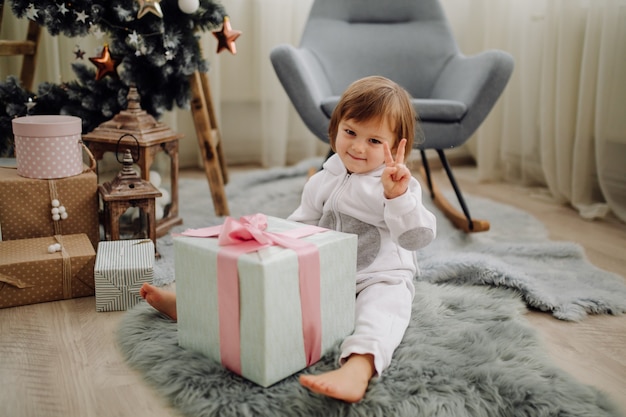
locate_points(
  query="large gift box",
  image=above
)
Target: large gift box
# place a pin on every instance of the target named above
(26, 206)
(264, 302)
(122, 266)
(35, 271)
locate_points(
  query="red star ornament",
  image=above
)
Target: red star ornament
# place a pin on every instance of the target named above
(106, 63)
(226, 37)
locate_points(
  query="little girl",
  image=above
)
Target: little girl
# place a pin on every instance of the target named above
(363, 189)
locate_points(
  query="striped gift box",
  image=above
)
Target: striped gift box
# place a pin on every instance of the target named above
(122, 266)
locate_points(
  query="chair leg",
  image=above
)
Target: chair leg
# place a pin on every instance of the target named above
(429, 180)
(463, 220)
(457, 190)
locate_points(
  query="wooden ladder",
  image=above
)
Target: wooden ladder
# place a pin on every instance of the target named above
(27, 48)
(210, 140)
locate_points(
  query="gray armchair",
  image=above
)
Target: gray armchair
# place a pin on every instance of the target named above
(410, 42)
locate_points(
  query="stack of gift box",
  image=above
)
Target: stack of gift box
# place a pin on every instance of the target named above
(263, 296)
(49, 224)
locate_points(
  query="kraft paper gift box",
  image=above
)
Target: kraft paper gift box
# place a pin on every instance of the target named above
(268, 310)
(26, 204)
(30, 273)
(122, 266)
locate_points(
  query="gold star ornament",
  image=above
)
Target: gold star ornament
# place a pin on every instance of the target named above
(226, 37)
(106, 63)
(149, 6)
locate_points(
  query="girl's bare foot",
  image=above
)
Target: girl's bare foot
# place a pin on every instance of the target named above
(159, 298)
(347, 383)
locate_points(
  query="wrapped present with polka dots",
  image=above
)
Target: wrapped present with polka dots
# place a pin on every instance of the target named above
(122, 266)
(46, 269)
(48, 147)
(31, 208)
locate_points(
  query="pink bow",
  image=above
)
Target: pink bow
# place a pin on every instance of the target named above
(247, 228)
(248, 234)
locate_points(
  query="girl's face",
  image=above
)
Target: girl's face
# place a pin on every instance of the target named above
(360, 144)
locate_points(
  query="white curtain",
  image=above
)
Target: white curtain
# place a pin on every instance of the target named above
(257, 121)
(561, 123)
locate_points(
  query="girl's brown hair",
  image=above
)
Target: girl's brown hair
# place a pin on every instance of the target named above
(376, 97)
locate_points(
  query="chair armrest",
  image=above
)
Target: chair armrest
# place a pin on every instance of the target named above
(474, 80)
(305, 83)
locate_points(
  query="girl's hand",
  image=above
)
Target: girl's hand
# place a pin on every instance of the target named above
(396, 175)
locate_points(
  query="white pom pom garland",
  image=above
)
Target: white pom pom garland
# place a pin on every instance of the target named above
(55, 247)
(58, 211)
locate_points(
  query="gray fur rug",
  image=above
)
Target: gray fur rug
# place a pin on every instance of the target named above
(468, 350)
(515, 253)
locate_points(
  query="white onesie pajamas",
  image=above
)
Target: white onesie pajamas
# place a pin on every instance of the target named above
(389, 232)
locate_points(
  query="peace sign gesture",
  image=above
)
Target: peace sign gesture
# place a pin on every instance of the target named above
(396, 175)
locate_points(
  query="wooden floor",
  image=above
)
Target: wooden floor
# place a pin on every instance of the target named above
(60, 358)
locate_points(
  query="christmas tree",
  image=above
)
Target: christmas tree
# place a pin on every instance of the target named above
(151, 44)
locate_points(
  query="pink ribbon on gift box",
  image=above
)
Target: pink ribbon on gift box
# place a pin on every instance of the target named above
(248, 234)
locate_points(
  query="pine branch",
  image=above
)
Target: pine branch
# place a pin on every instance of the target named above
(169, 54)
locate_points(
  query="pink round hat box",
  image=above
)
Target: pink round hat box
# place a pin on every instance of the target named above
(48, 147)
